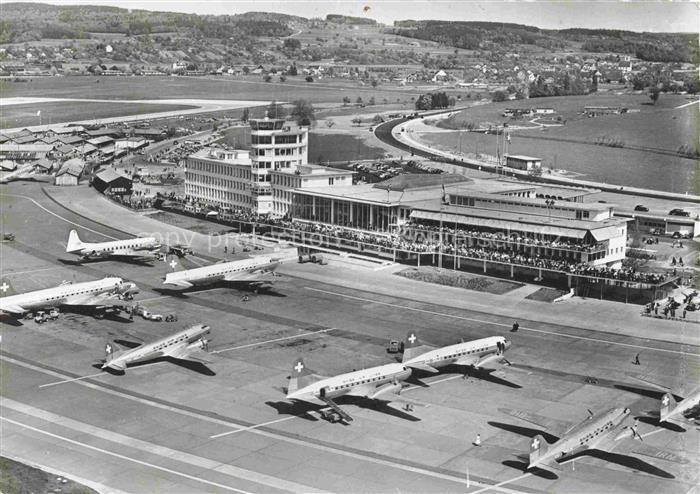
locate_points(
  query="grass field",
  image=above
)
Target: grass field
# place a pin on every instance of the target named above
(249, 88)
(459, 279)
(661, 127)
(340, 147)
(25, 115)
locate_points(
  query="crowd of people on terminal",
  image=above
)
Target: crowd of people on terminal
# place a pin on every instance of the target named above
(425, 239)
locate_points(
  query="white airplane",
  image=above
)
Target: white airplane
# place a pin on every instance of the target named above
(22, 172)
(254, 271)
(178, 346)
(94, 294)
(371, 383)
(136, 248)
(671, 411)
(474, 354)
(600, 432)
(677, 413)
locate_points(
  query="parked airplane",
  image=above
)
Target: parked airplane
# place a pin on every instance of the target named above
(94, 294)
(253, 271)
(178, 346)
(600, 432)
(22, 172)
(475, 353)
(144, 248)
(679, 413)
(371, 383)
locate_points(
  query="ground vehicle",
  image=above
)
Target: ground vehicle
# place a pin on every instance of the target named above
(331, 416)
(8, 237)
(179, 250)
(656, 231)
(40, 317)
(395, 346)
(53, 314)
(641, 207)
(678, 212)
(681, 234)
(151, 316)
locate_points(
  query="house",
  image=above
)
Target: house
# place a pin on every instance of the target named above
(101, 142)
(153, 134)
(73, 140)
(440, 76)
(523, 162)
(70, 173)
(109, 181)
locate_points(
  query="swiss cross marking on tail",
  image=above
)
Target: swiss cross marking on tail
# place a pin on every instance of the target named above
(4, 287)
(412, 338)
(173, 264)
(299, 367)
(664, 401)
(535, 443)
(108, 348)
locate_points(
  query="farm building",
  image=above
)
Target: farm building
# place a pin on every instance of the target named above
(110, 182)
(70, 172)
(523, 162)
(153, 134)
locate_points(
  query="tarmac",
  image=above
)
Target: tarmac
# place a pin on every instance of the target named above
(224, 426)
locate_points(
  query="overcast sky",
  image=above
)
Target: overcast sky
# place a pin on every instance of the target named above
(633, 15)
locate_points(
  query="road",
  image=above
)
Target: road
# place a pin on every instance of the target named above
(169, 428)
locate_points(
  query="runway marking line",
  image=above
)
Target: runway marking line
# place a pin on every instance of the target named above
(437, 381)
(59, 216)
(496, 486)
(150, 448)
(124, 457)
(482, 321)
(71, 380)
(311, 444)
(311, 333)
(15, 273)
(243, 429)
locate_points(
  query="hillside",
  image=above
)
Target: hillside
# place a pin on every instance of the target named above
(654, 47)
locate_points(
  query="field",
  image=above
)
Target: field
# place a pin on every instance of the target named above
(340, 147)
(659, 129)
(166, 87)
(25, 115)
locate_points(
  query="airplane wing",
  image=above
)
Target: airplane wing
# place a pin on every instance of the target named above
(254, 276)
(555, 427)
(373, 392)
(91, 299)
(423, 366)
(180, 283)
(13, 309)
(118, 365)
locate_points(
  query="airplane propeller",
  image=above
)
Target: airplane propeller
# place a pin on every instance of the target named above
(636, 434)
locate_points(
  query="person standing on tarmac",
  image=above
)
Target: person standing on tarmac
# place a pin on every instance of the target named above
(515, 327)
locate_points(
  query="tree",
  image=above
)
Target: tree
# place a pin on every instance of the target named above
(309, 78)
(283, 78)
(276, 111)
(346, 100)
(375, 82)
(372, 102)
(293, 70)
(267, 78)
(292, 44)
(499, 96)
(246, 114)
(425, 102)
(654, 93)
(303, 112)
(357, 121)
(359, 100)
(377, 119)
(246, 70)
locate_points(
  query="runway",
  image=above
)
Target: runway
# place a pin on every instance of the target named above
(169, 428)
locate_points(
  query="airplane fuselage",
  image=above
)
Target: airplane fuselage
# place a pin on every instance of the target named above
(154, 349)
(118, 247)
(440, 357)
(60, 295)
(586, 435)
(342, 384)
(221, 271)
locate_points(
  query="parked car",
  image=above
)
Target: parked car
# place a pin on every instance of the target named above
(678, 212)
(681, 234)
(641, 207)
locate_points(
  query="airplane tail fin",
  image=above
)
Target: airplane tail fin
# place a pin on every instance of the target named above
(538, 447)
(74, 242)
(301, 376)
(174, 265)
(109, 352)
(412, 347)
(668, 403)
(6, 288)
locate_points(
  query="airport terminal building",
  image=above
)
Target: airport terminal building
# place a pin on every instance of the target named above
(464, 212)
